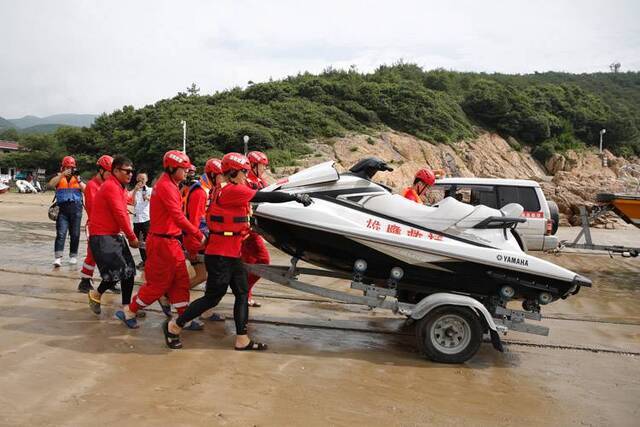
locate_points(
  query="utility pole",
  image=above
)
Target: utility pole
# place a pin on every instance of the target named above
(184, 136)
(246, 144)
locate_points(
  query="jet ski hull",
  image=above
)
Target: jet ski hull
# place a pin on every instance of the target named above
(424, 273)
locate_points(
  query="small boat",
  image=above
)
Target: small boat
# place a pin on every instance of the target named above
(627, 206)
(3, 188)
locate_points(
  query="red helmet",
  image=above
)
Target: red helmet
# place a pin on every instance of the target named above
(258, 157)
(105, 162)
(176, 159)
(68, 162)
(213, 166)
(234, 161)
(426, 176)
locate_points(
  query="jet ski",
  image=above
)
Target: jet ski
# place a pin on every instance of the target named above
(358, 225)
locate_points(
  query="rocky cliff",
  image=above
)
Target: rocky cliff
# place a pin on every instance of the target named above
(571, 179)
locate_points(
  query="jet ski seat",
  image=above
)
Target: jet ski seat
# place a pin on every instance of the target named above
(445, 214)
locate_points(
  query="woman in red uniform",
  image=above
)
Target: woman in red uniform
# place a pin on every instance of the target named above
(165, 270)
(254, 251)
(424, 178)
(90, 191)
(228, 221)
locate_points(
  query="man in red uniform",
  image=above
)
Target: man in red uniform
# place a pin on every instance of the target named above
(228, 222)
(424, 178)
(110, 218)
(165, 270)
(89, 265)
(254, 251)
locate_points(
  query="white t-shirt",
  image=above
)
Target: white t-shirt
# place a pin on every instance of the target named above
(141, 209)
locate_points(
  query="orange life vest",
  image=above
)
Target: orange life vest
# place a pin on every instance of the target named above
(224, 221)
(68, 190)
(410, 193)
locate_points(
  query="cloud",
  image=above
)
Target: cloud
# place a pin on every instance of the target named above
(77, 56)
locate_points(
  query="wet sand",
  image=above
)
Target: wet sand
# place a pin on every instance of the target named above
(328, 364)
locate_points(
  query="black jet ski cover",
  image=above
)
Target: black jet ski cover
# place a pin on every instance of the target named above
(366, 168)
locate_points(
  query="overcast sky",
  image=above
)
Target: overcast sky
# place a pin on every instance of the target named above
(94, 56)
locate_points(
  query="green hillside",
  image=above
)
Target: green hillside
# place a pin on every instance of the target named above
(549, 111)
(5, 124)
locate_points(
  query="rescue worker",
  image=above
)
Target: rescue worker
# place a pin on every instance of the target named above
(424, 179)
(110, 218)
(165, 270)
(195, 206)
(89, 265)
(69, 188)
(228, 222)
(254, 251)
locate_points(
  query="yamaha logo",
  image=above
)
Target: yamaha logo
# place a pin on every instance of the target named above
(513, 260)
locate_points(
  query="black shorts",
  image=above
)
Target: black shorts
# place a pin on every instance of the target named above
(113, 257)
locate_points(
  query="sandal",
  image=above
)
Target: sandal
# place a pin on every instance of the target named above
(252, 346)
(254, 303)
(94, 304)
(194, 325)
(215, 317)
(171, 340)
(130, 323)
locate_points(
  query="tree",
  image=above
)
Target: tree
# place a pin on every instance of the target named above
(193, 90)
(615, 67)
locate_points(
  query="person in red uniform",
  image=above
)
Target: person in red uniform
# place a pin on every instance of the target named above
(110, 218)
(165, 270)
(195, 206)
(228, 222)
(89, 265)
(254, 251)
(424, 179)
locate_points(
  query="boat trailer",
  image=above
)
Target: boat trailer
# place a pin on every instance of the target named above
(625, 251)
(449, 327)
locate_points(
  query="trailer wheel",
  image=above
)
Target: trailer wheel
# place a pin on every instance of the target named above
(449, 334)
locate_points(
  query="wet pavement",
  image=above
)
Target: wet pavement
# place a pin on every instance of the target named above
(329, 363)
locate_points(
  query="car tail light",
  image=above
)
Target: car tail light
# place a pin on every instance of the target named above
(549, 227)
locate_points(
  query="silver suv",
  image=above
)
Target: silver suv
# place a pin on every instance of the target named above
(538, 233)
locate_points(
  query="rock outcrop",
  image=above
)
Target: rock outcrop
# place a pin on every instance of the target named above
(571, 179)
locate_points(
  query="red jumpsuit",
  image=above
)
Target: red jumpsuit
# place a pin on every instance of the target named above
(89, 264)
(195, 209)
(254, 251)
(109, 215)
(410, 193)
(165, 270)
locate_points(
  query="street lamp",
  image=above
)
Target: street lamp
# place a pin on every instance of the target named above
(602, 132)
(184, 136)
(246, 144)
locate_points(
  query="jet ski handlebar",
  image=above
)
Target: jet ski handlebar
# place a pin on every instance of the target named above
(369, 166)
(500, 222)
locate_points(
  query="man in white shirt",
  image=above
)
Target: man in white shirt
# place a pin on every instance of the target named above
(141, 196)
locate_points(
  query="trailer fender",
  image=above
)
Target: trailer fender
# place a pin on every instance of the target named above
(437, 300)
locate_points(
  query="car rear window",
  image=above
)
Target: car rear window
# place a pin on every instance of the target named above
(525, 196)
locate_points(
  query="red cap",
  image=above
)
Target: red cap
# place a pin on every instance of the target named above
(426, 176)
(258, 157)
(234, 161)
(213, 166)
(105, 162)
(176, 159)
(68, 162)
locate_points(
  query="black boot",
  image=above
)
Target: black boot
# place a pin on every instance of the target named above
(115, 289)
(85, 285)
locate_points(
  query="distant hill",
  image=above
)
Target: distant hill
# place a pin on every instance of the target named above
(57, 119)
(5, 124)
(48, 128)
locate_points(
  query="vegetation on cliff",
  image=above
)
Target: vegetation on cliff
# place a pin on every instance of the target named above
(549, 111)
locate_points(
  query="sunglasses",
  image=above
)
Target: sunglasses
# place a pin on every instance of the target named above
(127, 171)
